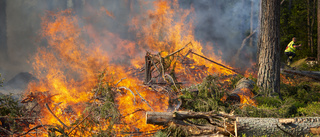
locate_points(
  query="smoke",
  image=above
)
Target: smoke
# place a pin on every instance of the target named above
(224, 24)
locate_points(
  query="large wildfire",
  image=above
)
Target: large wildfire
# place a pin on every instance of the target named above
(70, 66)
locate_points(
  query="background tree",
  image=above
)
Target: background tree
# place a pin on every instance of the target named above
(269, 53)
(298, 19)
(318, 31)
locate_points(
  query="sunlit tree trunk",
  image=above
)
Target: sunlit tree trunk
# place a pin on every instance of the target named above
(269, 52)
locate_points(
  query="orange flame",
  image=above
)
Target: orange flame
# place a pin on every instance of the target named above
(68, 66)
(246, 97)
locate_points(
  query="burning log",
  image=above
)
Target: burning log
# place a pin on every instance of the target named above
(228, 124)
(242, 93)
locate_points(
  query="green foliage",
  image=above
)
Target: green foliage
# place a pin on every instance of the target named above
(307, 67)
(294, 22)
(302, 91)
(10, 109)
(312, 109)
(206, 98)
(234, 80)
(9, 106)
(101, 110)
(174, 131)
(270, 107)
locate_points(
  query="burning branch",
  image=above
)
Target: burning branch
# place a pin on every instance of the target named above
(134, 96)
(214, 62)
(178, 50)
(144, 100)
(119, 81)
(55, 116)
(78, 124)
(34, 128)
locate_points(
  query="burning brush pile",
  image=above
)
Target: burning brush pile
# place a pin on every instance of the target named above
(82, 92)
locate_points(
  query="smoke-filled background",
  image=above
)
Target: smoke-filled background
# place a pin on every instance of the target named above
(221, 23)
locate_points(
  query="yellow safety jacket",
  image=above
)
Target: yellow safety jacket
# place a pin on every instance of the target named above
(290, 47)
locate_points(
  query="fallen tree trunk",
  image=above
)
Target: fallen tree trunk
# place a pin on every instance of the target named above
(314, 75)
(225, 124)
(273, 126)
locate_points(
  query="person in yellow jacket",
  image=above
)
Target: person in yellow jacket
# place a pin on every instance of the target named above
(291, 50)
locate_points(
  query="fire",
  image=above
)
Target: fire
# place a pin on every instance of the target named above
(246, 97)
(69, 66)
(168, 29)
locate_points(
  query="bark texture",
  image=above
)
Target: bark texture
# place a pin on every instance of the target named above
(273, 126)
(244, 125)
(318, 14)
(269, 52)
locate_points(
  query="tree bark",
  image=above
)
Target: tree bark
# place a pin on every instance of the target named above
(269, 53)
(244, 125)
(275, 126)
(318, 14)
(308, 25)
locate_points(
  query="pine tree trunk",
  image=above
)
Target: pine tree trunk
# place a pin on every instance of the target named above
(3, 30)
(318, 14)
(269, 48)
(308, 24)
